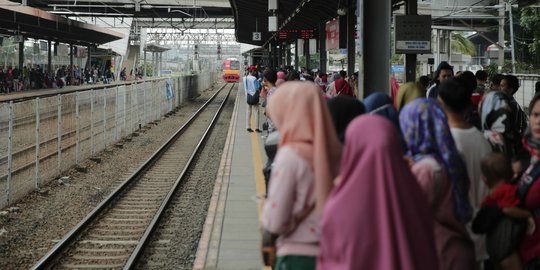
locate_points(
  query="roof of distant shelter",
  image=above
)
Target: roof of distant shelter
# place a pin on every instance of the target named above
(155, 48)
(34, 23)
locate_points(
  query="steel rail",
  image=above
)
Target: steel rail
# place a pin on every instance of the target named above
(143, 242)
(71, 236)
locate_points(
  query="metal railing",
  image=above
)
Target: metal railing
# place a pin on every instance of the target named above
(42, 138)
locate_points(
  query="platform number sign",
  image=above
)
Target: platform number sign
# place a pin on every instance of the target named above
(257, 36)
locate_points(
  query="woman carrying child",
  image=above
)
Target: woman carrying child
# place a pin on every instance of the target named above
(529, 186)
(501, 217)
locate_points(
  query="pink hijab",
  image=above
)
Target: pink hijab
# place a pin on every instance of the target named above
(303, 120)
(377, 217)
(280, 78)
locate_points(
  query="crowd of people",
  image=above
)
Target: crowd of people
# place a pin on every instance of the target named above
(440, 174)
(14, 79)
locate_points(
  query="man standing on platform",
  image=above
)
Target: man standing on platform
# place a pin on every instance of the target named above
(252, 88)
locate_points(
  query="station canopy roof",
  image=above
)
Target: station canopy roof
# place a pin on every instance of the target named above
(252, 16)
(138, 8)
(38, 24)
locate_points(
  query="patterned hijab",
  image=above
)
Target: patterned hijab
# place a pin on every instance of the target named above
(426, 132)
(497, 122)
(301, 115)
(495, 112)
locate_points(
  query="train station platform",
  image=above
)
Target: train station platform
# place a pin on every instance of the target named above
(231, 233)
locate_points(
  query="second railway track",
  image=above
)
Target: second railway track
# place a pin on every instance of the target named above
(115, 233)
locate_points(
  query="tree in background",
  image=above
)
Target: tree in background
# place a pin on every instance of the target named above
(461, 44)
(529, 36)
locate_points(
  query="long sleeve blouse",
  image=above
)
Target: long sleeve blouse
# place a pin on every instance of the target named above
(291, 191)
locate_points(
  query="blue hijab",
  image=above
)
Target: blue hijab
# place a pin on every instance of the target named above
(426, 131)
(381, 104)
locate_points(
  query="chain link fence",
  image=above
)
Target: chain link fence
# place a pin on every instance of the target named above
(43, 137)
(526, 89)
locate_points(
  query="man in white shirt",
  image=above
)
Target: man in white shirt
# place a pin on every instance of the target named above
(252, 87)
(455, 97)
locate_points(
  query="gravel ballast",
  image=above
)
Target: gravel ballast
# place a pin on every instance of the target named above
(30, 227)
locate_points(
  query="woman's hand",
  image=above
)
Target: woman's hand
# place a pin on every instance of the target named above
(531, 226)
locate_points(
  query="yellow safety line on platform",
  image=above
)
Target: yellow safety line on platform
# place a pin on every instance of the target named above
(257, 167)
(259, 177)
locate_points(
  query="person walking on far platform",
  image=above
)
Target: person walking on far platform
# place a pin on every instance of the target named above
(307, 162)
(376, 217)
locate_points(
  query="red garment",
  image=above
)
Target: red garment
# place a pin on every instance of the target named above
(475, 99)
(343, 88)
(504, 195)
(530, 246)
(395, 88)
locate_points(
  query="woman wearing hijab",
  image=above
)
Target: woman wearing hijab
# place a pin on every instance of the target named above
(342, 88)
(381, 104)
(377, 216)
(496, 118)
(280, 78)
(529, 191)
(343, 110)
(308, 153)
(442, 175)
(407, 93)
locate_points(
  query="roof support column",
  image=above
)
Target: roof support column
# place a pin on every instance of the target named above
(88, 62)
(376, 46)
(306, 53)
(71, 69)
(322, 47)
(280, 56)
(288, 55)
(144, 63)
(296, 55)
(160, 63)
(154, 64)
(351, 44)
(21, 55)
(49, 56)
(410, 58)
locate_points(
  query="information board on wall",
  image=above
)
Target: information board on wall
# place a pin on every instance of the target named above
(413, 33)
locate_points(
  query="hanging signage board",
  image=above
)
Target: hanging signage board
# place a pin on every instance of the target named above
(332, 34)
(257, 36)
(413, 34)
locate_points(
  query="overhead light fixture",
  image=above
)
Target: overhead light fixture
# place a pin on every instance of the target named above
(146, 6)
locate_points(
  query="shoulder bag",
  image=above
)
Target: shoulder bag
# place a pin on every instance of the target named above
(252, 99)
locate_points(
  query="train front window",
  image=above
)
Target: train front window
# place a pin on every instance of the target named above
(235, 65)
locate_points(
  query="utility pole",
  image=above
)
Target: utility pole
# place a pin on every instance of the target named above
(509, 7)
(502, 16)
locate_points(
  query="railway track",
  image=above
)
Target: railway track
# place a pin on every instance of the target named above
(116, 232)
